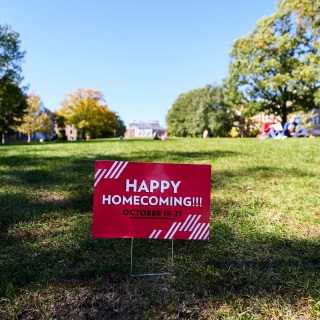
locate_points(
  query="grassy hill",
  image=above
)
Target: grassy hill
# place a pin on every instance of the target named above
(262, 260)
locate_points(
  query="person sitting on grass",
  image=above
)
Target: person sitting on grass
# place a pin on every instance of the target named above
(156, 136)
(165, 136)
(271, 129)
(291, 129)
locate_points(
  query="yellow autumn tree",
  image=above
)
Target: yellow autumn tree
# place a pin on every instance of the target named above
(86, 110)
(35, 119)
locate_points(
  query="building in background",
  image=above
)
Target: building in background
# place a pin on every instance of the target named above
(143, 129)
(66, 132)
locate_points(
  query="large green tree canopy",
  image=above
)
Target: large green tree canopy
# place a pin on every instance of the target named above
(276, 67)
(198, 110)
(12, 98)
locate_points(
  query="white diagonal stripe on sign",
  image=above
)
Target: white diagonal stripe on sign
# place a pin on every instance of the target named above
(185, 222)
(204, 231)
(207, 235)
(97, 173)
(152, 233)
(101, 174)
(110, 170)
(99, 178)
(175, 230)
(194, 231)
(165, 237)
(117, 176)
(190, 222)
(199, 231)
(116, 170)
(198, 218)
(157, 235)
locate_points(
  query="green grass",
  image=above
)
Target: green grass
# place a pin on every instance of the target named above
(261, 262)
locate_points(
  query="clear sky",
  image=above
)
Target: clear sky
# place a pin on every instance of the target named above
(140, 53)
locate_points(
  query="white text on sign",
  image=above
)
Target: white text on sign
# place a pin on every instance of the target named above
(152, 186)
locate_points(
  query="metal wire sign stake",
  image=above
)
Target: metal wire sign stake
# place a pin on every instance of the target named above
(150, 274)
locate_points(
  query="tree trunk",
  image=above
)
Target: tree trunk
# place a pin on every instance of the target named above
(284, 114)
(3, 138)
(29, 137)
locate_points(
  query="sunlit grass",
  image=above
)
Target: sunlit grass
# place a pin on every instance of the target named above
(261, 262)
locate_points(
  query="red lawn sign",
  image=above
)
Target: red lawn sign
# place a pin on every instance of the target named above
(151, 200)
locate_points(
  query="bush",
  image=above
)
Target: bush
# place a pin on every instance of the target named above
(253, 133)
(234, 132)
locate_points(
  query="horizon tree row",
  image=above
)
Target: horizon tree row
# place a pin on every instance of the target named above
(274, 69)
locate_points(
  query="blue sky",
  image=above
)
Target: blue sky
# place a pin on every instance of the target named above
(141, 54)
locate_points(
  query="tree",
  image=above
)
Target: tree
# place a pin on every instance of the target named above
(12, 97)
(179, 116)
(121, 128)
(85, 110)
(199, 110)
(306, 12)
(35, 119)
(104, 122)
(276, 67)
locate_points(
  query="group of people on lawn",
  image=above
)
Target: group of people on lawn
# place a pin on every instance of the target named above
(273, 129)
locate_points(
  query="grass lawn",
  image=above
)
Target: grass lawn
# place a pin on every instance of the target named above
(262, 260)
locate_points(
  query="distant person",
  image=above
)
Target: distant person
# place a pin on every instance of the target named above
(155, 135)
(271, 129)
(165, 136)
(54, 136)
(291, 130)
(205, 134)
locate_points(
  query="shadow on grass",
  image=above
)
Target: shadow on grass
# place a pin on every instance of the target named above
(27, 208)
(253, 265)
(53, 172)
(229, 267)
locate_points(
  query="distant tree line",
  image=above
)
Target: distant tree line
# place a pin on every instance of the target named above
(274, 69)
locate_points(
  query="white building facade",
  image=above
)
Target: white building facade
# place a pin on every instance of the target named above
(143, 129)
